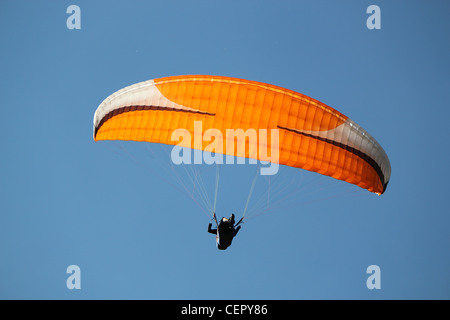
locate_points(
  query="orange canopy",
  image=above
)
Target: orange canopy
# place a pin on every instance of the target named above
(312, 135)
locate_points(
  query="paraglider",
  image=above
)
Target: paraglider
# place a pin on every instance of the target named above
(267, 123)
(225, 231)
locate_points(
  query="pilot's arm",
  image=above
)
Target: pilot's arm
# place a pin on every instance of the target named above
(237, 230)
(213, 231)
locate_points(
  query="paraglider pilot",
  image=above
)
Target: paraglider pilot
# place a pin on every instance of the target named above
(225, 232)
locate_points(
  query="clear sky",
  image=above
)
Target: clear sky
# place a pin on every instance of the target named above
(117, 209)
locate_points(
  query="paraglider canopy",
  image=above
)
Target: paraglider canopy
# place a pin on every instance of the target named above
(311, 135)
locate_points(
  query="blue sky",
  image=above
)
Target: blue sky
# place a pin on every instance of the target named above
(116, 209)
